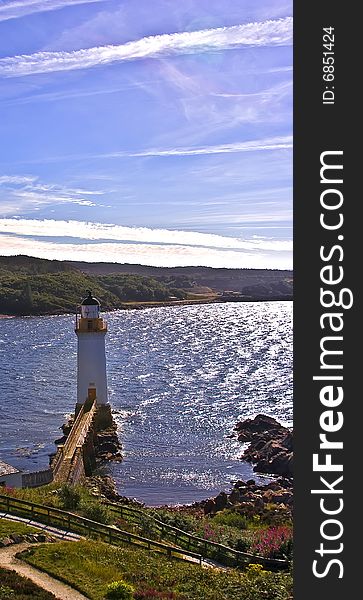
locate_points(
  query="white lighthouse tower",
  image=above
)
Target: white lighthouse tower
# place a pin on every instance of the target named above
(91, 331)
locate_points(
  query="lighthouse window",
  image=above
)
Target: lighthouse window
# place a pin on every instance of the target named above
(89, 324)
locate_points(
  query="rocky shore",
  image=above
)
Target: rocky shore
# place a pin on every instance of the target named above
(251, 499)
(103, 487)
(270, 450)
(270, 446)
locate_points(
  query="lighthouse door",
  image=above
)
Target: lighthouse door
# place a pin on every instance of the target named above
(92, 394)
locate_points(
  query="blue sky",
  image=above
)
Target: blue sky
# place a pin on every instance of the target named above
(147, 132)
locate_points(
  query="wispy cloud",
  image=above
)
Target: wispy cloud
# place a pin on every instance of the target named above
(82, 230)
(268, 33)
(15, 9)
(280, 90)
(263, 145)
(19, 193)
(277, 143)
(69, 95)
(17, 179)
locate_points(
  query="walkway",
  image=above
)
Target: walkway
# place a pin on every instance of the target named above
(65, 460)
(56, 587)
(67, 536)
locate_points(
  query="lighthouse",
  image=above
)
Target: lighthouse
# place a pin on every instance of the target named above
(91, 331)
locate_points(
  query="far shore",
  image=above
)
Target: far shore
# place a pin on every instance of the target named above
(133, 305)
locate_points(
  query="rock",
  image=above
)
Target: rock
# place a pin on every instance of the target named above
(221, 501)
(235, 496)
(270, 447)
(285, 482)
(287, 441)
(274, 485)
(258, 502)
(108, 446)
(244, 498)
(240, 483)
(283, 498)
(210, 507)
(257, 425)
(17, 539)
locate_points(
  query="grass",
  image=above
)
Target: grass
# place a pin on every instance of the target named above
(16, 587)
(9, 527)
(45, 494)
(91, 566)
(229, 527)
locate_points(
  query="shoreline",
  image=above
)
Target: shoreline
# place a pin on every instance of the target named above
(269, 449)
(173, 303)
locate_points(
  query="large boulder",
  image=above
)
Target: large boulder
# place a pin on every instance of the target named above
(270, 447)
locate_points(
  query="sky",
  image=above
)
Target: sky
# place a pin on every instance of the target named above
(147, 132)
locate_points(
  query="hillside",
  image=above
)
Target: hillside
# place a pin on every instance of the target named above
(219, 280)
(38, 286)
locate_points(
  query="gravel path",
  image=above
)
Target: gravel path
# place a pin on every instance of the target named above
(59, 589)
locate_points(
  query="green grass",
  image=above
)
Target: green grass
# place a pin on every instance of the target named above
(54, 495)
(45, 494)
(91, 566)
(228, 527)
(9, 527)
(16, 587)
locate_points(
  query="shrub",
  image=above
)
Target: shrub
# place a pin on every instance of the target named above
(176, 519)
(254, 569)
(6, 592)
(231, 519)
(69, 497)
(96, 511)
(242, 545)
(153, 594)
(146, 526)
(275, 542)
(119, 590)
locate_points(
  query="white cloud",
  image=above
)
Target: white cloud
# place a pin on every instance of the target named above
(17, 179)
(82, 230)
(145, 254)
(19, 193)
(21, 8)
(268, 33)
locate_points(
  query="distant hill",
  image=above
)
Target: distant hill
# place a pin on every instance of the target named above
(30, 265)
(38, 286)
(246, 281)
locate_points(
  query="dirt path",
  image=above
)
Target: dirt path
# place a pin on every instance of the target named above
(59, 589)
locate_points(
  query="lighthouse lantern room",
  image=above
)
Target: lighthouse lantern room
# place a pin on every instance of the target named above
(91, 330)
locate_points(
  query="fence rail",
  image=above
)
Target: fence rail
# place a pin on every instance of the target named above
(71, 522)
(223, 554)
(186, 545)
